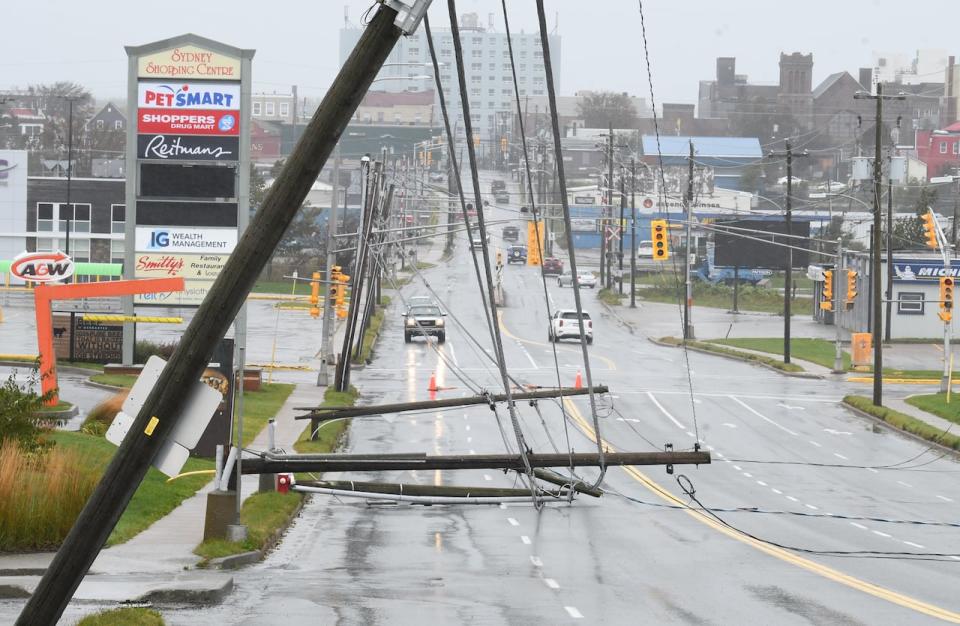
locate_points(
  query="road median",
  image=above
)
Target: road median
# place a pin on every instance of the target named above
(787, 369)
(902, 422)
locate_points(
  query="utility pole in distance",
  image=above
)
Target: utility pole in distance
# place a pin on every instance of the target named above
(633, 233)
(875, 284)
(788, 264)
(688, 288)
(166, 402)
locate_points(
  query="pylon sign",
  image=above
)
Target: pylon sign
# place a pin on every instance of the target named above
(42, 267)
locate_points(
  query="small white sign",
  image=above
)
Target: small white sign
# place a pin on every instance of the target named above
(182, 240)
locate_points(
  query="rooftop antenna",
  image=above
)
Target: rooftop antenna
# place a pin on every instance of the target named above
(556, 22)
(346, 15)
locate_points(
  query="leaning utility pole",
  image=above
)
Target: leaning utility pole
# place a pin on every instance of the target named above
(889, 291)
(633, 233)
(326, 332)
(688, 216)
(166, 402)
(875, 284)
(788, 263)
(623, 206)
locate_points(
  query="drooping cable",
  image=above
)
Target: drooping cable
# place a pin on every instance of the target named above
(561, 179)
(663, 190)
(484, 248)
(536, 221)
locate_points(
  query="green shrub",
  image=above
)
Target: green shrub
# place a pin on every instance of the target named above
(145, 349)
(19, 407)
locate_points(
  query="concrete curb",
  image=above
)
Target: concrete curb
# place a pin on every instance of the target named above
(732, 357)
(214, 595)
(610, 310)
(889, 426)
(90, 383)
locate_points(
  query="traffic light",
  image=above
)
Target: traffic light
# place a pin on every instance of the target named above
(503, 144)
(851, 288)
(929, 230)
(315, 295)
(333, 289)
(827, 303)
(341, 293)
(661, 240)
(429, 157)
(476, 140)
(946, 299)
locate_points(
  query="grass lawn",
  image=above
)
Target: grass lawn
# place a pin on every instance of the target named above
(282, 287)
(295, 305)
(260, 406)
(155, 497)
(739, 354)
(263, 514)
(904, 422)
(819, 351)
(124, 617)
(721, 297)
(610, 296)
(936, 403)
(114, 380)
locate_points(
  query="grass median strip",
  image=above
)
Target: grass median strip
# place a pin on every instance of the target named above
(904, 422)
(819, 351)
(127, 616)
(665, 288)
(610, 296)
(373, 332)
(737, 354)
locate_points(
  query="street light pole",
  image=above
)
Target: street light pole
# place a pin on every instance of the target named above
(633, 233)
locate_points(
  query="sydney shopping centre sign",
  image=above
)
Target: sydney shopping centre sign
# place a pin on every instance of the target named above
(189, 62)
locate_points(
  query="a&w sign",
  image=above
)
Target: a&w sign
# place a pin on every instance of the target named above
(42, 267)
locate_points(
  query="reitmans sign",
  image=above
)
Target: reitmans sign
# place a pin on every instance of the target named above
(915, 270)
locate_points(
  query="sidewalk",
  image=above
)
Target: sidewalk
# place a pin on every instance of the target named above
(161, 559)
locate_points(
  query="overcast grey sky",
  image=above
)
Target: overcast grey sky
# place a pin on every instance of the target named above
(296, 42)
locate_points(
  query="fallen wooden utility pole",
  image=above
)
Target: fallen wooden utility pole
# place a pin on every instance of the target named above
(284, 464)
(323, 414)
(164, 405)
(417, 490)
(558, 479)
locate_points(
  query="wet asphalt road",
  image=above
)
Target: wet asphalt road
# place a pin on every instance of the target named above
(782, 447)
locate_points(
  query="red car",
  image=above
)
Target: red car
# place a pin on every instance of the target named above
(552, 266)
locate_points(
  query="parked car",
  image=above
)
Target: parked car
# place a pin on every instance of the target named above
(517, 254)
(511, 233)
(645, 249)
(585, 279)
(565, 325)
(501, 196)
(424, 320)
(436, 177)
(552, 266)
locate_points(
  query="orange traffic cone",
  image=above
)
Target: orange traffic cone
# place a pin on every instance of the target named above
(578, 381)
(433, 383)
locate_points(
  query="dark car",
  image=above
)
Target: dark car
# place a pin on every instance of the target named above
(501, 196)
(497, 185)
(552, 266)
(511, 233)
(423, 320)
(517, 254)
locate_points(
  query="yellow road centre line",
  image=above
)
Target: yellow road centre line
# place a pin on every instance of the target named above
(780, 553)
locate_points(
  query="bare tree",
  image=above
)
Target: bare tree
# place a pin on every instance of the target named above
(602, 108)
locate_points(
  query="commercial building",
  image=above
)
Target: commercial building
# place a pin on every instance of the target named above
(487, 68)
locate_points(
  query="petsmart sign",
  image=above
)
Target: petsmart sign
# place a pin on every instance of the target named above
(190, 96)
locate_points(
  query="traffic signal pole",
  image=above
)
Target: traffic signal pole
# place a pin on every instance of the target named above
(947, 305)
(166, 402)
(838, 355)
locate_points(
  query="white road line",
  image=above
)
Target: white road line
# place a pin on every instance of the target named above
(468, 426)
(689, 434)
(513, 522)
(487, 477)
(881, 534)
(761, 483)
(748, 474)
(914, 545)
(664, 411)
(870, 469)
(473, 452)
(792, 499)
(945, 498)
(573, 612)
(720, 454)
(840, 456)
(525, 539)
(955, 558)
(551, 583)
(536, 561)
(761, 416)
(736, 467)
(856, 525)
(469, 439)
(777, 491)
(811, 507)
(453, 354)
(815, 443)
(907, 485)
(529, 357)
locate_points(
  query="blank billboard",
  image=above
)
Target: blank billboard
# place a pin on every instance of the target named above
(760, 244)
